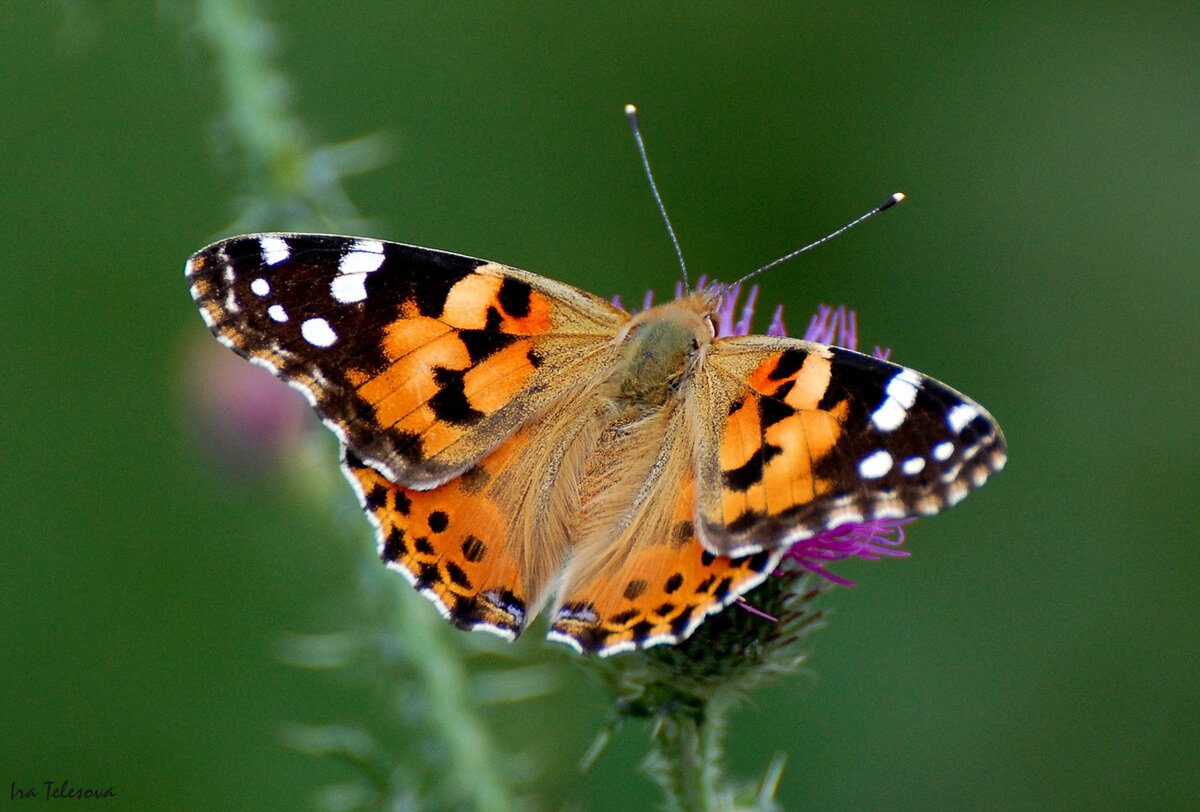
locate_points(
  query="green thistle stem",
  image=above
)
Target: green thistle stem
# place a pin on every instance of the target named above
(686, 759)
(254, 92)
(687, 692)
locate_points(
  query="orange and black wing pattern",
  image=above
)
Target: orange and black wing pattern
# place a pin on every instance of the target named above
(421, 361)
(808, 437)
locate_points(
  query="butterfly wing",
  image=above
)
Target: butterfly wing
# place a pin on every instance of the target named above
(660, 591)
(451, 542)
(796, 438)
(421, 361)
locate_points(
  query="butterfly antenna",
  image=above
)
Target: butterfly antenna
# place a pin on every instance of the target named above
(887, 204)
(631, 114)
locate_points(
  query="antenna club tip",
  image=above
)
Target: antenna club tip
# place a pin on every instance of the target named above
(899, 196)
(891, 201)
(630, 110)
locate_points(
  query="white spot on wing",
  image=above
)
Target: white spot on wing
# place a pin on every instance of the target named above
(951, 474)
(913, 466)
(260, 287)
(901, 395)
(349, 289)
(890, 510)
(960, 416)
(943, 450)
(889, 415)
(875, 465)
(929, 504)
(365, 256)
(559, 637)
(316, 331)
(499, 631)
(277, 313)
(274, 250)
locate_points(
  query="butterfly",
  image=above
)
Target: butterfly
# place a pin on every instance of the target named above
(518, 442)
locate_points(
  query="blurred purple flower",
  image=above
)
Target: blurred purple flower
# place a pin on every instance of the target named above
(245, 419)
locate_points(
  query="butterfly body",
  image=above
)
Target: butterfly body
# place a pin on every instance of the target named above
(517, 441)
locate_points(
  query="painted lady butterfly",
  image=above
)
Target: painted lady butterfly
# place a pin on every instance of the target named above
(512, 437)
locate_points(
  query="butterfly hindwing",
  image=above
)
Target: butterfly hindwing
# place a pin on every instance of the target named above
(660, 592)
(807, 437)
(450, 542)
(421, 361)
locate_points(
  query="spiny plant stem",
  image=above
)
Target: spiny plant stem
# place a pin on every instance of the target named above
(687, 757)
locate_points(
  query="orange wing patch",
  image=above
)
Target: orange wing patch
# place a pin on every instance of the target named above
(492, 295)
(660, 593)
(769, 445)
(456, 376)
(439, 385)
(451, 543)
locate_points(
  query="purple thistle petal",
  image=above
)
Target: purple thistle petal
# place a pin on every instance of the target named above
(724, 315)
(754, 610)
(776, 328)
(616, 300)
(742, 328)
(833, 325)
(818, 329)
(870, 540)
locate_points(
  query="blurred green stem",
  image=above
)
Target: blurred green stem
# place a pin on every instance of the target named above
(473, 761)
(255, 94)
(296, 186)
(292, 183)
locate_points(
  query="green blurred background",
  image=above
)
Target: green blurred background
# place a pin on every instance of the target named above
(1040, 648)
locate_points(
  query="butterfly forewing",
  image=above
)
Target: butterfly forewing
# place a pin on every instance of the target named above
(421, 361)
(809, 437)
